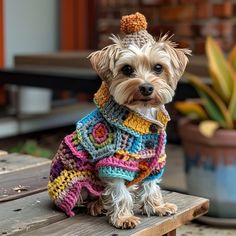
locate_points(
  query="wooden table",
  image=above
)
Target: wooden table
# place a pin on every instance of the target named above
(25, 207)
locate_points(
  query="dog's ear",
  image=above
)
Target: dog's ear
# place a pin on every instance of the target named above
(179, 59)
(103, 61)
(178, 56)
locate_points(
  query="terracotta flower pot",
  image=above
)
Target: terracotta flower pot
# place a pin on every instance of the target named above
(211, 167)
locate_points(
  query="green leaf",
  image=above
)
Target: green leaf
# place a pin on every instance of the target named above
(219, 67)
(213, 110)
(216, 85)
(17, 148)
(30, 147)
(232, 104)
(232, 58)
(191, 109)
(213, 103)
(45, 153)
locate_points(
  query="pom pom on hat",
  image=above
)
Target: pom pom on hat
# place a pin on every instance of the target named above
(133, 23)
(134, 26)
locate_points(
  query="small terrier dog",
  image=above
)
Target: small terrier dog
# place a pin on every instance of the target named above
(116, 156)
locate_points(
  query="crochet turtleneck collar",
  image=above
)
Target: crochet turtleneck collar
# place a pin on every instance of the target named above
(125, 118)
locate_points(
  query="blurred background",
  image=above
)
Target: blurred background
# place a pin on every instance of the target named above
(47, 83)
(52, 36)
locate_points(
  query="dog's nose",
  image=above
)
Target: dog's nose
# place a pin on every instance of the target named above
(146, 89)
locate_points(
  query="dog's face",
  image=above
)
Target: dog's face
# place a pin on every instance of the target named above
(141, 77)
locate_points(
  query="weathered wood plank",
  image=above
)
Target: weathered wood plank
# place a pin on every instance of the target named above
(189, 207)
(13, 162)
(24, 182)
(27, 213)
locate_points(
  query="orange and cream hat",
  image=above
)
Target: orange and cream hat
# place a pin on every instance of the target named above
(134, 27)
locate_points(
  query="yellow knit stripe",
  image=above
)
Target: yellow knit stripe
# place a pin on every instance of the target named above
(137, 123)
(133, 121)
(163, 118)
(127, 155)
(102, 95)
(61, 182)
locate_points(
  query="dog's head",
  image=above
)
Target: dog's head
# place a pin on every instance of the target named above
(140, 73)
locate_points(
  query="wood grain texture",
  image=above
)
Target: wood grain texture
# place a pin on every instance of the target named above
(28, 213)
(189, 208)
(13, 162)
(24, 182)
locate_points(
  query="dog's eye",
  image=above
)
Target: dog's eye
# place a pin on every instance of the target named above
(127, 70)
(158, 68)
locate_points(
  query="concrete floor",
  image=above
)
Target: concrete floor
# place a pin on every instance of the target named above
(174, 179)
(196, 229)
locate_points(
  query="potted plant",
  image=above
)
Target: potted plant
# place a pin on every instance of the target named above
(209, 133)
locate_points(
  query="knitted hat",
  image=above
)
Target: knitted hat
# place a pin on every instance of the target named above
(134, 26)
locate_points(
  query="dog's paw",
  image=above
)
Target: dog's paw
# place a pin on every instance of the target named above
(95, 208)
(128, 222)
(166, 209)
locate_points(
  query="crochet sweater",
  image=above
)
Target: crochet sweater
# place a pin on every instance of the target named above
(111, 141)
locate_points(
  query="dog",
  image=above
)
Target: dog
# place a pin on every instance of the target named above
(116, 156)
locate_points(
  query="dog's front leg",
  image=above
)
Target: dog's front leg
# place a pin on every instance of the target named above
(151, 201)
(118, 203)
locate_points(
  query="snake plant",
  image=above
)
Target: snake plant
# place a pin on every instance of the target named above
(217, 101)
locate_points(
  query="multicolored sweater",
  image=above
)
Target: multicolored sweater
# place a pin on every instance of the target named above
(112, 141)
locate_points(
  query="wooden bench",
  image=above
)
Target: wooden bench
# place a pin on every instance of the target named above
(25, 207)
